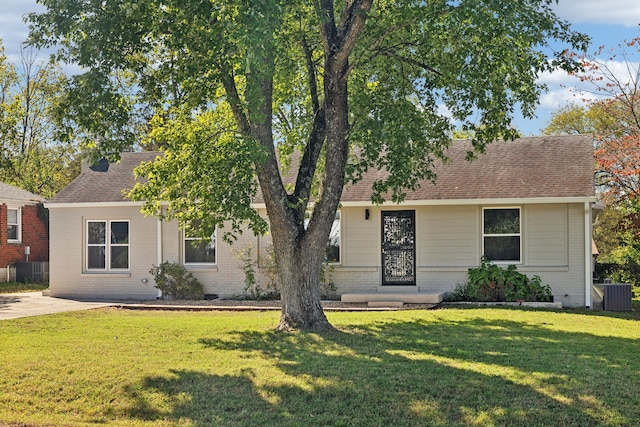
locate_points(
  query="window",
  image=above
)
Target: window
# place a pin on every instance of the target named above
(198, 250)
(501, 234)
(107, 245)
(332, 252)
(13, 225)
(333, 246)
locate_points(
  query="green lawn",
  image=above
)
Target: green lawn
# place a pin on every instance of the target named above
(13, 287)
(443, 367)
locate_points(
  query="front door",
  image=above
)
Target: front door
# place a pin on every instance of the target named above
(398, 248)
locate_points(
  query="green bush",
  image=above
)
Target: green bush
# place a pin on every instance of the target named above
(490, 282)
(176, 282)
(253, 289)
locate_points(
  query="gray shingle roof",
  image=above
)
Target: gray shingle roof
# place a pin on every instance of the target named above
(533, 167)
(99, 185)
(9, 192)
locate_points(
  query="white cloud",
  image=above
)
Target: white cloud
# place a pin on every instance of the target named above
(13, 29)
(564, 88)
(625, 12)
(557, 77)
(560, 97)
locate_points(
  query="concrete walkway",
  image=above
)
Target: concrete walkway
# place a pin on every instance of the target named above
(25, 304)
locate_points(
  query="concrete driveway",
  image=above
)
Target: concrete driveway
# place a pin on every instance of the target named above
(25, 304)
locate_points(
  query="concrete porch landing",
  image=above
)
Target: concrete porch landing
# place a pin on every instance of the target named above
(416, 297)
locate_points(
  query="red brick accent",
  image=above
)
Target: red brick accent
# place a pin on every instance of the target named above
(34, 235)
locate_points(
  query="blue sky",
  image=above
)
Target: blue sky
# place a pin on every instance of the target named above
(608, 22)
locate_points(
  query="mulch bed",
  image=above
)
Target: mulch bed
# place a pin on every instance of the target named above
(239, 305)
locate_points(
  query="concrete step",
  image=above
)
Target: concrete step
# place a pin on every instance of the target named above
(404, 297)
(385, 304)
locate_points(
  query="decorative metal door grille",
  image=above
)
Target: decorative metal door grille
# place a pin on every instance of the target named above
(398, 248)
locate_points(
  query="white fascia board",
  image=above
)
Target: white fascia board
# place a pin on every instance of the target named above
(8, 200)
(444, 202)
(92, 205)
(451, 202)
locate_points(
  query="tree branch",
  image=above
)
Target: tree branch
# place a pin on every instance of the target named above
(374, 46)
(351, 24)
(411, 61)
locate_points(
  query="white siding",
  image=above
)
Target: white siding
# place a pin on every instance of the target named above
(545, 234)
(448, 236)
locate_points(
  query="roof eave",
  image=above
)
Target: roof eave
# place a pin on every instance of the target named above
(126, 203)
(452, 202)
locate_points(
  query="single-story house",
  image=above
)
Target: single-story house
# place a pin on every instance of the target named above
(23, 229)
(526, 202)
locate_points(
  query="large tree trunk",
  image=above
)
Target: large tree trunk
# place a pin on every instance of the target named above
(299, 275)
(300, 252)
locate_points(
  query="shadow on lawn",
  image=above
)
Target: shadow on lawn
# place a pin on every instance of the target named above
(420, 372)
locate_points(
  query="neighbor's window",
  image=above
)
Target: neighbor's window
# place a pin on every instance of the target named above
(501, 234)
(198, 250)
(107, 245)
(332, 252)
(13, 224)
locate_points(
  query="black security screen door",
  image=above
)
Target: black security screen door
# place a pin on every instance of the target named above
(398, 248)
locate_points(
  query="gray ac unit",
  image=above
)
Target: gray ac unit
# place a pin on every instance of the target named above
(617, 297)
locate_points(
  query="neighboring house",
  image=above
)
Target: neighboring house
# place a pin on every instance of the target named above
(527, 202)
(23, 229)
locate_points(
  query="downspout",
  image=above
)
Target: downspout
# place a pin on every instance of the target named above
(159, 244)
(588, 256)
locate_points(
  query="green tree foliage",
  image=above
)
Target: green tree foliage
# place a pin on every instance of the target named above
(574, 119)
(30, 155)
(350, 86)
(614, 120)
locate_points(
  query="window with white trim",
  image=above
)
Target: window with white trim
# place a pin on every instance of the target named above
(332, 251)
(107, 245)
(198, 250)
(13, 225)
(333, 245)
(501, 234)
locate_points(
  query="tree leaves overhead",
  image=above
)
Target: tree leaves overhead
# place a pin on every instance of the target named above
(478, 60)
(380, 81)
(188, 175)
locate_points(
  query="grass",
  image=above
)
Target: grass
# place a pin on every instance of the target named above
(13, 287)
(445, 367)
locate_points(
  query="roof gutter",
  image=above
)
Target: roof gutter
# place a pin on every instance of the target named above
(437, 202)
(458, 202)
(124, 203)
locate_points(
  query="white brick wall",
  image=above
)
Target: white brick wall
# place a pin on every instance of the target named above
(448, 243)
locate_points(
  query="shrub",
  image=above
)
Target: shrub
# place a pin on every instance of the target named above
(490, 282)
(252, 287)
(254, 290)
(176, 282)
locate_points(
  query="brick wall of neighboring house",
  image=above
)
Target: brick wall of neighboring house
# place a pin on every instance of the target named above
(34, 235)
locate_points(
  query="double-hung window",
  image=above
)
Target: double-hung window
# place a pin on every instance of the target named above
(13, 225)
(107, 245)
(501, 234)
(198, 250)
